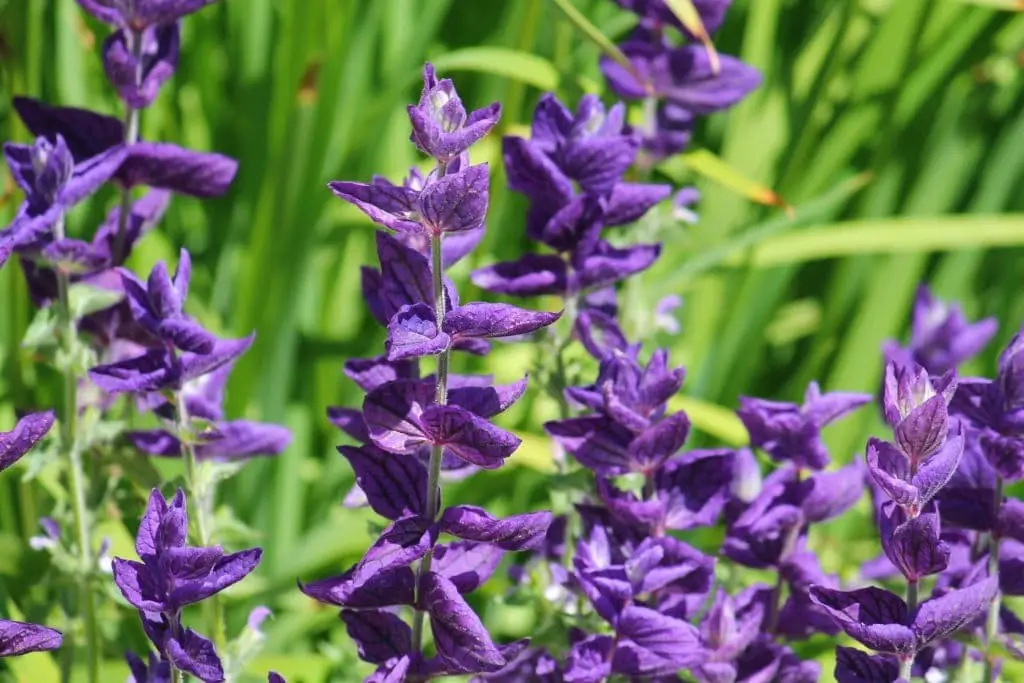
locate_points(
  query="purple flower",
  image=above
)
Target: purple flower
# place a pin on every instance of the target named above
(159, 369)
(452, 204)
(138, 15)
(171, 574)
(788, 432)
(53, 182)
(95, 140)
(223, 441)
(402, 418)
(26, 433)
(685, 76)
(17, 638)
(881, 621)
(711, 12)
(413, 331)
(768, 531)
(940, 337)
(158, 305)
(138, 81)
(441, 127)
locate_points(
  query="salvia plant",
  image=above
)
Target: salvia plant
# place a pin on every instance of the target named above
(656, 561)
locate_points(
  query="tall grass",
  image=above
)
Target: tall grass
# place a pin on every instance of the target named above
(893, 127)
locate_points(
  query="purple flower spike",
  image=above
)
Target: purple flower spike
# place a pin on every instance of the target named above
(790, 432)
(17, 638)
(26, 434)
(441, 127)
(941, 338)
(159, 59)
(141, 14)
(274, 677)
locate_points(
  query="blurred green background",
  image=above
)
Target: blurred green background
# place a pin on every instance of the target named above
(893, 127)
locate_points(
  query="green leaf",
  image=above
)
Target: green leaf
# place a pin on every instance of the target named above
(688, 15)
(713, 167)
(712, 419)
(1014, 5)
(500, 61)
(42, 332)
(86, 299)
(535, 452)
(891, 236)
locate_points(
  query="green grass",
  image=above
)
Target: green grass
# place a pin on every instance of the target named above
(923, 95)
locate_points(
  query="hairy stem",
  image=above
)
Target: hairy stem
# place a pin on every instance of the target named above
(131, 136)
(69, 442)
(436, 452)
(201, 495)
(992, 618)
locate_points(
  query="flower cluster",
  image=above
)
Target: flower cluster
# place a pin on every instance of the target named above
(17, 638)
(677, 82)
(644, 583)
(571, 169)
(144, 342)
(171, 576)
(413, 428)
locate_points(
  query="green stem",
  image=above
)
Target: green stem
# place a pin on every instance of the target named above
(131, 136)
(907, 662)
(69, 442)
(992, 618)
(436, 452)
(201, 496)
(176, 676)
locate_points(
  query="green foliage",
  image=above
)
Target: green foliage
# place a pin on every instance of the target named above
(923, 95)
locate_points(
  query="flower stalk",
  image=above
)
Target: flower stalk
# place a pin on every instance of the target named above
(202, 505)
(436, 452)
(131, 136)
(992, 617)
(69, 442)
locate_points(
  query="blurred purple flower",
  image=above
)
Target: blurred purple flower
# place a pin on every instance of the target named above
(28, 431)
(441, 127)
(940, 336)
(138, 15)
(788, 432)
(138, 80)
